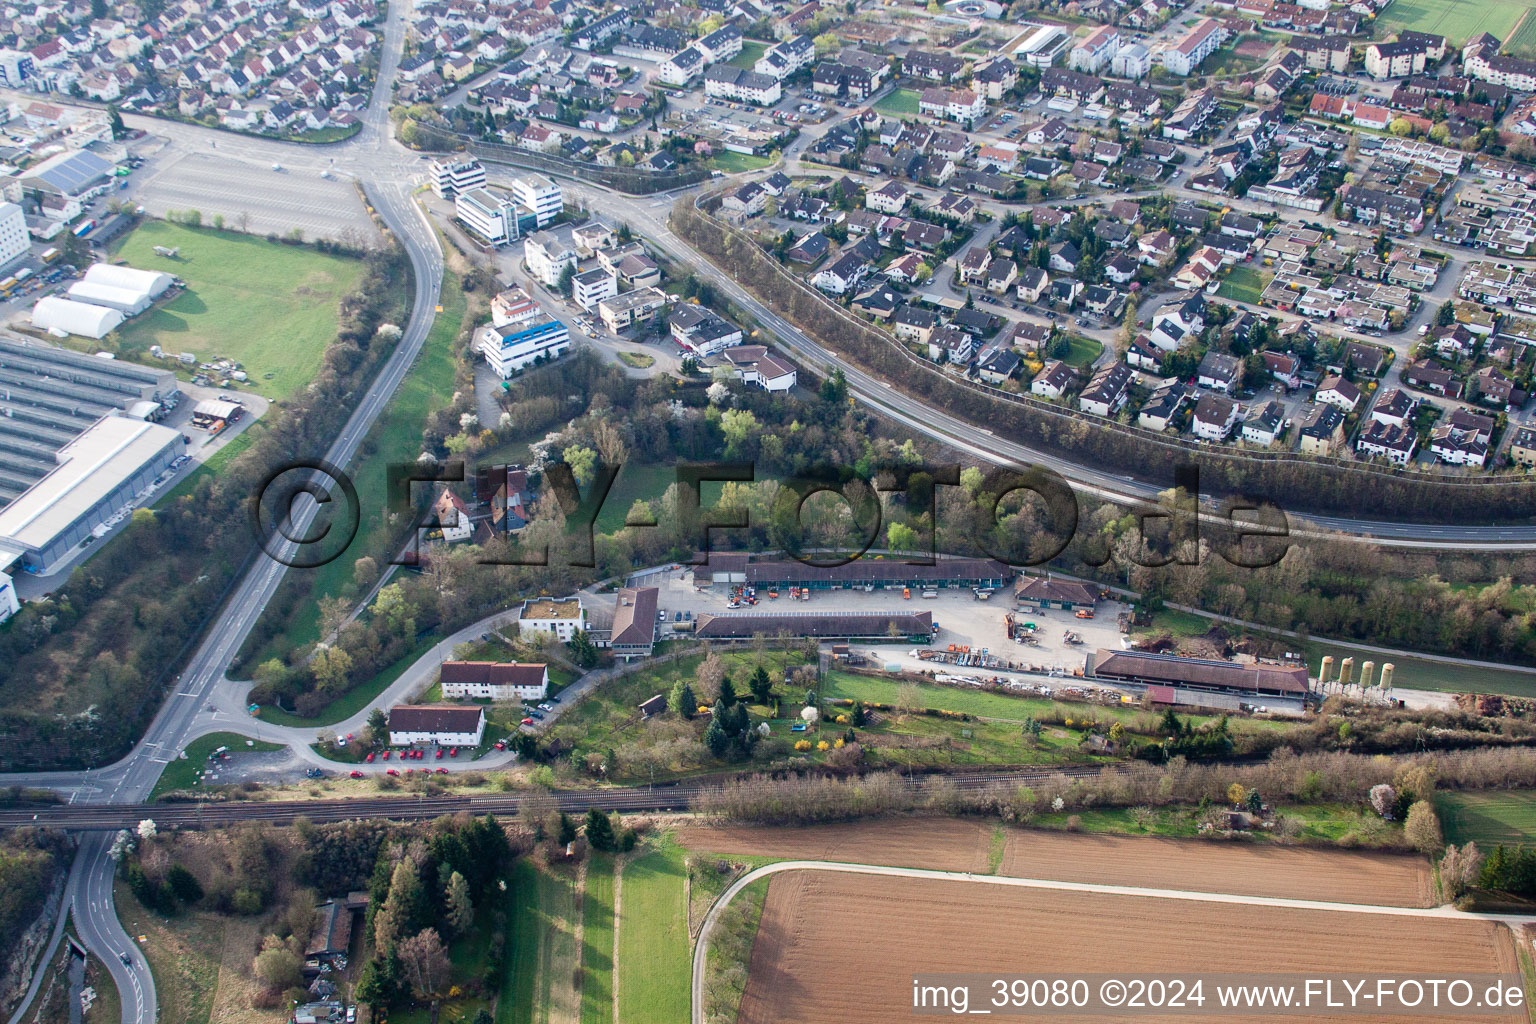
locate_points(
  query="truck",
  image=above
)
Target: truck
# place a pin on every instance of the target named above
(23, 274)
(84, 229)
(8, 286)
(49, 255)
(930, 593)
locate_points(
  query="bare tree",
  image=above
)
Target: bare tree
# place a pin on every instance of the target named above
(425, 962)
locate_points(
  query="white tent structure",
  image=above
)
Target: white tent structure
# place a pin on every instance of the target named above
(82, 318)
(150, 282)
(128, 301)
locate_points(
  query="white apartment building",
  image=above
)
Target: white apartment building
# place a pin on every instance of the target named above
(593, 286)
(1196, 45)
(547, 257)
(1095, 50)
(494, 680)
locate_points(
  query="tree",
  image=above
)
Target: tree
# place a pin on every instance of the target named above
(331, 666)
(583, 650)
(901, 537)
(278, 968)
(1237, 793)
(458, 907)
(681, 700)
(567, 280)
(1422, 829)
(1401, 127)
(761, 685)
(583, 463)
(378, 727)
(1446, 314)
(825, 44)
(727, 692)
(715, 736)
(424, 963)
(184, 884)
(379, 984)
(599, 831)
(1383, 799)
(565, 833)
(115, 122)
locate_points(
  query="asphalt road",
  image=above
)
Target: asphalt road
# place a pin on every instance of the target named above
(386, 171)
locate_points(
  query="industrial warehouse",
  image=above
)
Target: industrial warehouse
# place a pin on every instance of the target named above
(1170, 670)
(868, 573)
(76, 446)
(914, 627)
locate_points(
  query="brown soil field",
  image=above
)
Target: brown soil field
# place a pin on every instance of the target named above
(943, 844)
(1243, 868)
(951, 844)
(845, 947)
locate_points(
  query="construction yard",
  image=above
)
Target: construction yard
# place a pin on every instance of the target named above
(962, 620)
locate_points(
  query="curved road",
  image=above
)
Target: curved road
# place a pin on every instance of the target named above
(701, 947)
(385, 170)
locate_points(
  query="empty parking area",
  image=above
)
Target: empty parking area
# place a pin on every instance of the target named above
(272, 202)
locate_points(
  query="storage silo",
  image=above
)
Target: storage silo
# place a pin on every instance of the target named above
(1346, 671)
(1325, 671)
(1367, 670)
(1386, 676)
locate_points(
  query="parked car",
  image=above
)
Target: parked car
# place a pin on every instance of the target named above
(527, 721)
(391, 771)
(356, 774)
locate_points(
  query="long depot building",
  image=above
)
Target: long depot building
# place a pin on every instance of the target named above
(868, 573)
(1162, 673)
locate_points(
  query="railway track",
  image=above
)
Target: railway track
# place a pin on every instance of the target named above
(678, 797)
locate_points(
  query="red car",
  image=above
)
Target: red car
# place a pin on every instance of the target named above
(420, 754)
(527, 721)
(391, 771)
(386, 755)
(439, 753)
(442, 771)
(369, 759)
(357, 775)
(501, 745)
(453, 751)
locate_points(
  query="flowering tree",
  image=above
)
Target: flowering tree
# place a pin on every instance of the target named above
(1383, 799)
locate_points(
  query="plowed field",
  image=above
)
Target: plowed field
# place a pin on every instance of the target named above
(947, 844)
(834, 947)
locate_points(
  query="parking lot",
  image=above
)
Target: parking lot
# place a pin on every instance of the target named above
(251, 197)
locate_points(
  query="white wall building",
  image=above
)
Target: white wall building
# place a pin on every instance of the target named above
(593, 286)
(447, 725)
(450, 177)
(487, 215)
(540, 195)
(1095, 50)
(13, 232)
(494, 680)
(559, 618)
(547, 257)
(511, 348)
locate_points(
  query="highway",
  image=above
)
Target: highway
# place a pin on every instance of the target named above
(382, 167)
